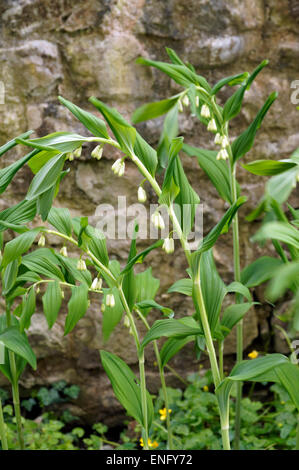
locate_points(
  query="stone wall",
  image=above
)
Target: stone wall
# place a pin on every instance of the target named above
(82, 48)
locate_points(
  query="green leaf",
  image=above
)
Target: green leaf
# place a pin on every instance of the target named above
(179, 73)
(261, 270)
(245, 141)
(9, 276)
(183, 286)
(231, 81)
(20, 361)
(140, 256)
(153, 110)
(240, 289)
(46, 177)
(288, 375)
(220, 228)
(128, 138)
(28, 309)
(7, 174)
(169, 132)
(52, 302)
(98, 247)
(42, 262)
(149, 304)
(212, 287)
(233, 105)
(17, 215)
(177, 188)
(12, 143)
(279, 187)
(172, 328)
(283, 278)
(126, 388)
(281, 231)
(232, 315)
(173, 56)
(216, 170)
(19, 245)
(124, 133)
(111, 315)
(77, 307)
(95, 125)
(72, 273)
(59, 142)
(146, 287)
(171, 347)
(61, 219)
(269, 167)
(18, 343)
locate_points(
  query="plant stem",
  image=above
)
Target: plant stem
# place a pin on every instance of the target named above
(163, 383)
(141, 367)
(198, 296)
(15, 386)
(221, 345)
(237, 276)
(2, 429)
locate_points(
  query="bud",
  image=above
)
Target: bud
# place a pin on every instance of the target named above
(103, 308)
(205, 111)
(62, 294)
(141, 194)
(222, 155)
(168, 245)
(224, 142)
(97, 284)
(126, 321)
(42, 241)
(81, 266)
(186, 101)
(181, 109)
(218, 139)
(110, 300)
(70, 156)
(118, 167)
(97, 152)
(77, 152)
(212, 125)
(38, 290)
(63, 251)
(157, 220)
(197, 101)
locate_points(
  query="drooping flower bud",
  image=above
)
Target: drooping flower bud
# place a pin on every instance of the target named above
(222, 155)
(41, 241)
(224, 142)
(212, 125)
(205, 111)
(81, 266)
(97, 284)
(126, 321)
(118, 167)
(157, 220)
(181, 109)
(97, 152)
(70, 156)
(218, 139)
(77, 152)
(110, 300)
(186, 101)
(141, 194)
(168, 245)
(63, 251)
(197, 101)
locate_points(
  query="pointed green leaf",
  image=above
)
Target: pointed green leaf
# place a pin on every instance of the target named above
(28, 309)
(269, 167)
(261, 270)
(153, 110)
(52, 302)
(61, 219)
(18, 343)
(19, 245)
(95, 125)
(171, 347)
(46, 177)
(77, 307)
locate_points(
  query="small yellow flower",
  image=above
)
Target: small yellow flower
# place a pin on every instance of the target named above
(205, 388)
(151, 444)
(163, 413)
(253, 355)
